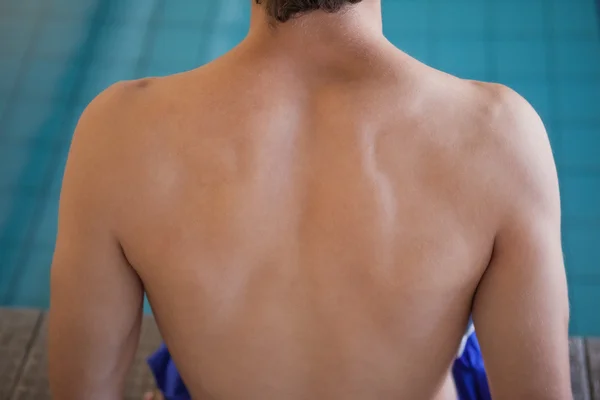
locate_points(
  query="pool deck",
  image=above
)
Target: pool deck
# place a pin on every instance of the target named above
(23, 373)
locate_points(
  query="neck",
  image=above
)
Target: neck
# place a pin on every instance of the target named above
(354, 27)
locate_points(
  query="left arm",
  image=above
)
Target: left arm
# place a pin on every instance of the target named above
(96, 296)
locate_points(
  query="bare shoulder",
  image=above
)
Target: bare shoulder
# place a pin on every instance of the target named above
(518, 143)
(116, 103)
(134, 128)
(129, 114)
(499, 140)
(496, 112)
(506, 108)
(144, 105)
(497, 129)
(111, 124)
(115, 140)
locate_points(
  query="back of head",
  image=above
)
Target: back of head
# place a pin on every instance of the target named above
(283, 10)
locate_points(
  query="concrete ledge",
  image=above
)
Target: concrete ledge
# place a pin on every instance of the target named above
(17, 333)
(579, 370)
(23, 374)
(23, 361)
(593, 363)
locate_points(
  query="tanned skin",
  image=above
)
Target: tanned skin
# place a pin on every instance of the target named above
(314, 215)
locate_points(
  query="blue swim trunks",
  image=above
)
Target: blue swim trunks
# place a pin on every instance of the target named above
(168, 380)
(468, 371)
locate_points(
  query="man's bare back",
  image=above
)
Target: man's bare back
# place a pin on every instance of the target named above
(313, 228)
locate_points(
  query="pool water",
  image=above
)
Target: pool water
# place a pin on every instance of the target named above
(56, 55)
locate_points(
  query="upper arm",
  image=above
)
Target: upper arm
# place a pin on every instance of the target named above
(96, 297)
(521, 308)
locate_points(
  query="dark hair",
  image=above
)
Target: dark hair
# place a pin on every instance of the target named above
(283, 10)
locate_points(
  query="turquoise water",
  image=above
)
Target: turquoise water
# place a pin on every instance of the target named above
(56, 55)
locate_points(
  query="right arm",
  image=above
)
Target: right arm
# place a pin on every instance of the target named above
(521, 307)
